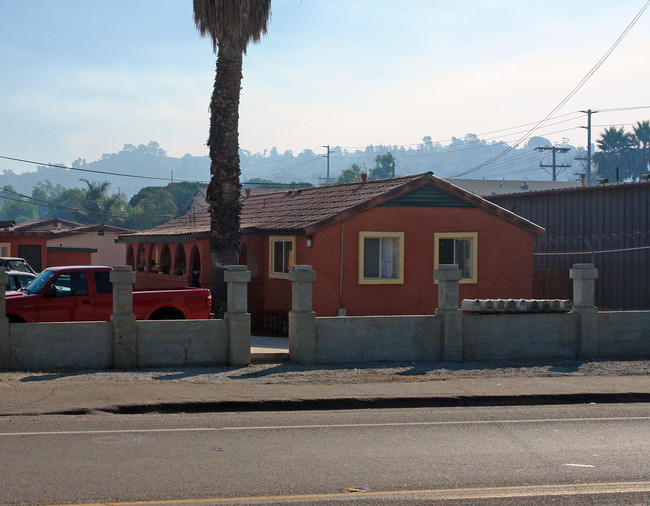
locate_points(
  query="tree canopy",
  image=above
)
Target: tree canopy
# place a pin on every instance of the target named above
(384, 167)
(623, 155)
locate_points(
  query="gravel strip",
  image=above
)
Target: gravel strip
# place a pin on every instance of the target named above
(284, 373)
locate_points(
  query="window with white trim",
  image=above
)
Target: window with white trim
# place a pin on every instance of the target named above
(381, 257)
(281, 255)
(5, 249)
(458, 248)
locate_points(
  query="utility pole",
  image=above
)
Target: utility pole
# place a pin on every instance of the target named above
(554, 165)
(327, 180)
(588, 112)
(393, 169)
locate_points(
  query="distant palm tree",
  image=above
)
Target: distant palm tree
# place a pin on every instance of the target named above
(231, 24)
(642, 134)
(615, 161)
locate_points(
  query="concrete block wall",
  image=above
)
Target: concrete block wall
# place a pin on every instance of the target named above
(73, 345)
(451, 335)
(377, 338)
(124, 342)
(519, 336)
(624, 334)
(182, 342)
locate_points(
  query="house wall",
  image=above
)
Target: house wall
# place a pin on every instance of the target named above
(108, 251)
(255, 257)
(505, 260)
(55, 258)
(17, 239)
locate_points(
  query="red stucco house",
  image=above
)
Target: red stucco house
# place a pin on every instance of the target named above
(56, 241)
(374, 246)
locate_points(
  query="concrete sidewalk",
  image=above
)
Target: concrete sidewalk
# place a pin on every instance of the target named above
(186, 391)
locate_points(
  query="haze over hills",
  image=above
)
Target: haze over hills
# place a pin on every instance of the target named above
(135, 167)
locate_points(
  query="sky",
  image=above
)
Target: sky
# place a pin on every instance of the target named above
(81, 78)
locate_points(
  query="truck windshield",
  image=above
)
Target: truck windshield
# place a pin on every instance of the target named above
(40, 281)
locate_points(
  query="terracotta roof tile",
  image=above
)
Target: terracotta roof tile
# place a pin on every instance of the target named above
(307, 209)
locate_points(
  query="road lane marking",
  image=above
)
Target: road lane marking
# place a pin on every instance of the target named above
(433, 494)
(322, 426)
(579, 465)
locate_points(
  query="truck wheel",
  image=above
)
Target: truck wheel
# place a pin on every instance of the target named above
(167, 313)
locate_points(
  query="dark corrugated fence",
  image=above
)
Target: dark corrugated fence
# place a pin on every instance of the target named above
(607, 225)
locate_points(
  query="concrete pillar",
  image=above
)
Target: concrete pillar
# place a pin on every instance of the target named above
(448, 310)
(584, 296)
(125, 350)
(302, 320)
(5, 353)
(237, 317)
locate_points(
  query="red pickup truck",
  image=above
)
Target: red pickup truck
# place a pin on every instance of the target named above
(85, 293)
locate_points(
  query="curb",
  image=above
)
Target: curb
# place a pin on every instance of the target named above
(344, 403)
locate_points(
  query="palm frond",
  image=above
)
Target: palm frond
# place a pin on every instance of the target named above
(236, 22)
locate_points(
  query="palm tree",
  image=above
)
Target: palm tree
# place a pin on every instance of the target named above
(231, 24)
(642, 134)
(615, 159)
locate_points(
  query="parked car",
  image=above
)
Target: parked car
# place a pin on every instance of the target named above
(16, 264)
(18, 280)
(85, 293)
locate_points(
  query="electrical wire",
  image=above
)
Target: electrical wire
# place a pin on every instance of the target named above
(46, 203)
(569, 96)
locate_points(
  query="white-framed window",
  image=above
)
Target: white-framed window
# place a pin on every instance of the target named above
(282, 256)
(381, 258)
(5, 249)
(460, 248)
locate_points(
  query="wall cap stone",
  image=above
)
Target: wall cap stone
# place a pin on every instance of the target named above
(237, 274)
(302, 273)
(122, 274)
(583, 271)
(448, 272)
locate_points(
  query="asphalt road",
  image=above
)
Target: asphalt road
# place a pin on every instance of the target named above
(515, 455)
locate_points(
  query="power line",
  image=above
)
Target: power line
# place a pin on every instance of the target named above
(569, 96)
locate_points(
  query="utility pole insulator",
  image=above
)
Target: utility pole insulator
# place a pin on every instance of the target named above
(554, 165)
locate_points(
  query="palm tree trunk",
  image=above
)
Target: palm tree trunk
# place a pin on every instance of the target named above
(223, 190)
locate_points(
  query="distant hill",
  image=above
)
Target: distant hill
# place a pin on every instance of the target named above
(154, 168)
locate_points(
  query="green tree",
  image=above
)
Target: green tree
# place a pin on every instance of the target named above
(231, 24)
(99, 207)
(350, 175)
(383, 167)
(47, 192)
(151, 206)
(642, 134)
(15, 208)
(183, 191)
(616, 152)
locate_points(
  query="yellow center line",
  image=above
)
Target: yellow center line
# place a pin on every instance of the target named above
(460, 493)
